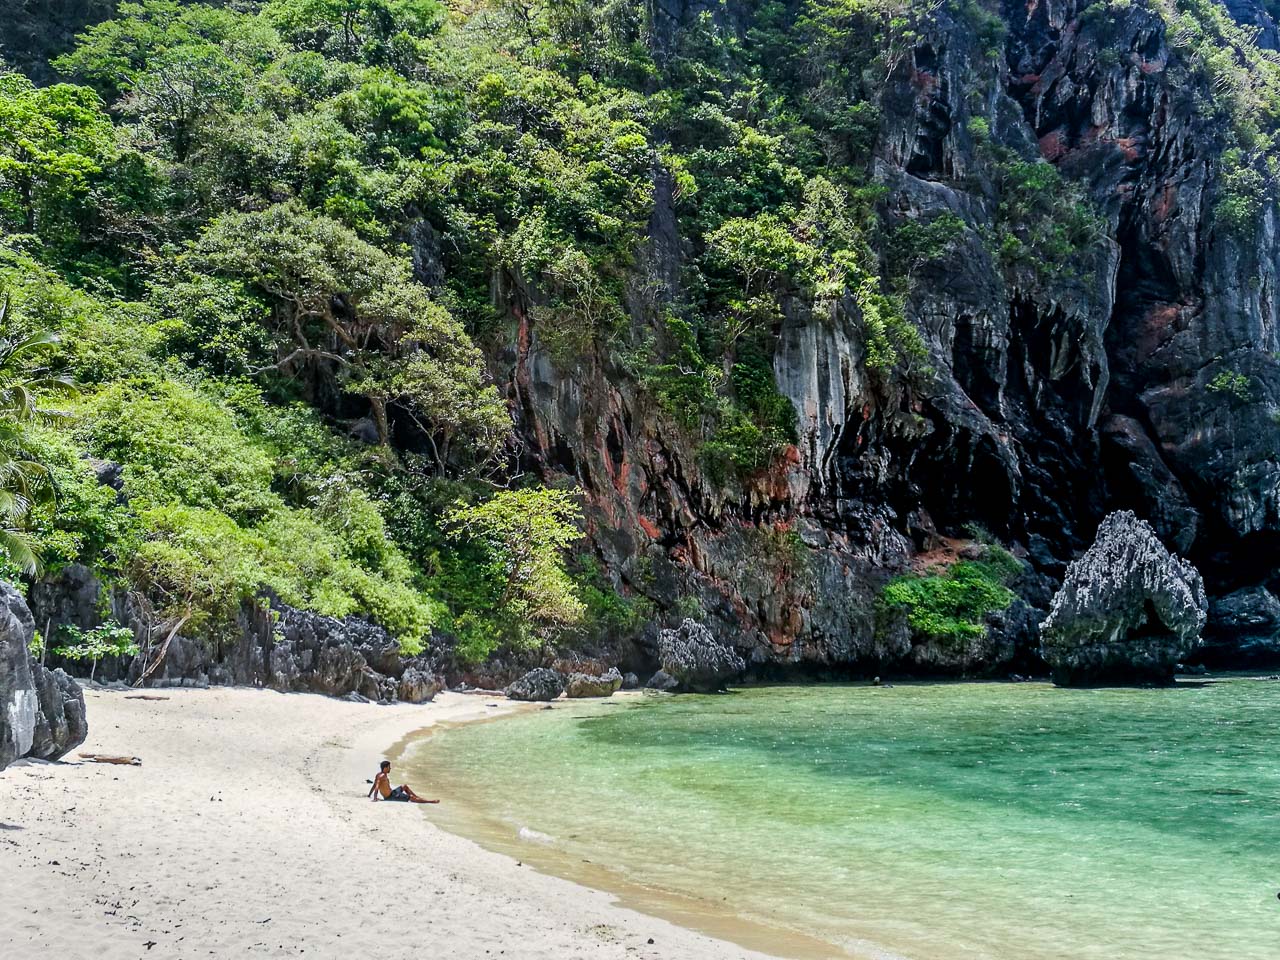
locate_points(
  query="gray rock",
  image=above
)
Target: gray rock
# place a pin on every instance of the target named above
(61, 723)
(365, 431)
(696, 659)
(42, 711)
(538, 684)
(585, 685)
(417, 685)
(630, 681)
(107, 472)
(1127, 611)
(663, 681)
(1243, 629)
(18, 702)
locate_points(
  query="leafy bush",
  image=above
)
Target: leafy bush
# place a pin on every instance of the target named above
(954, 605)
(105, 640)
(1046, 222)
(522, 535)
(1242, 191)
(1233, 384)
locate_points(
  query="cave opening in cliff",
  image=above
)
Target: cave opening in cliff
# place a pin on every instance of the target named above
(976, 366)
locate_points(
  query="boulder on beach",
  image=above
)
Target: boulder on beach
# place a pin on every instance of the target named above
(418, 685)
(61, 724)
(663, 681)
(538, 684)
(696, 659)
(585, 685)
(42, 711)
(630, 681)
(1128, 610)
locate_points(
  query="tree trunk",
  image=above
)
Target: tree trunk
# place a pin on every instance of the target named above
(379, 408)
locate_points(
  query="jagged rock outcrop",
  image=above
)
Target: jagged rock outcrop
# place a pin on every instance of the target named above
(277, 646)
(61, 721)
(696, 659)
(17, 688)
(42, 711)
(1127, 611)
(586, 685)
(538, 684)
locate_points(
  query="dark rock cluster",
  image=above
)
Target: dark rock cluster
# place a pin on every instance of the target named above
(279, 646)
(42, 711)
(540, 683)
(1128, 610)
(695, 659)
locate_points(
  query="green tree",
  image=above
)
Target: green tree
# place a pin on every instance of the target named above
(54, 142)
(115, 53)
(524, 534)
(354, 29)
(342, 304)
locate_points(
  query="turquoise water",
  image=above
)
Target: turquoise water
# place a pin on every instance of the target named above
(926, 821)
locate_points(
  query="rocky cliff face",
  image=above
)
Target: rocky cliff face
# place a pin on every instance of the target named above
(41, 711)
(1137, 371)
(1056, 395)
(36, 30)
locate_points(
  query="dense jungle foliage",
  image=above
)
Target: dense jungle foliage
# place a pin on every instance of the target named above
(274, 239)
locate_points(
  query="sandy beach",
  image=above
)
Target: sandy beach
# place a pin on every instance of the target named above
(246, 831)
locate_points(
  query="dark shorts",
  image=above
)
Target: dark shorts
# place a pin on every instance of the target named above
(397, 794)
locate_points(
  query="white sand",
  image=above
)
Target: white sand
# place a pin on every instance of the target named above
(246, 832)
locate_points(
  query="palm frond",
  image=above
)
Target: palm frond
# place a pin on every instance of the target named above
(15, 546)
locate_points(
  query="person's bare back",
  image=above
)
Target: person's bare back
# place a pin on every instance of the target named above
(382, 789)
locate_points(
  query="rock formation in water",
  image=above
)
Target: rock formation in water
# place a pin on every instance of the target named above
(42, 712)
(695, 659)
(539, 683)
(1128, 610)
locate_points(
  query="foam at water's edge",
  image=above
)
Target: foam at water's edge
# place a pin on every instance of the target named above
(533, 836)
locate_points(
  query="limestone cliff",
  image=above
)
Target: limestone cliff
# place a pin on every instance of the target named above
(1054, 395)
(1103, 339)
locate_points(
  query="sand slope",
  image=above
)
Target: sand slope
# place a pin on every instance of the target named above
(246, 833)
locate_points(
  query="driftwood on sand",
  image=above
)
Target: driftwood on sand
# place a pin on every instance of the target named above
(108, 758)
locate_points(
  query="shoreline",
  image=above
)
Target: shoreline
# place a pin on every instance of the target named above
(464, 819)
(246, 830)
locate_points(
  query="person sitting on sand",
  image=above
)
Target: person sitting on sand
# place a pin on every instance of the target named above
(382, 788)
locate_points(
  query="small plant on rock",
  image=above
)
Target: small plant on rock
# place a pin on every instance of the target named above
(1233, 384)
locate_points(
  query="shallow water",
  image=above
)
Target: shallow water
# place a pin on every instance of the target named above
(926, 821)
